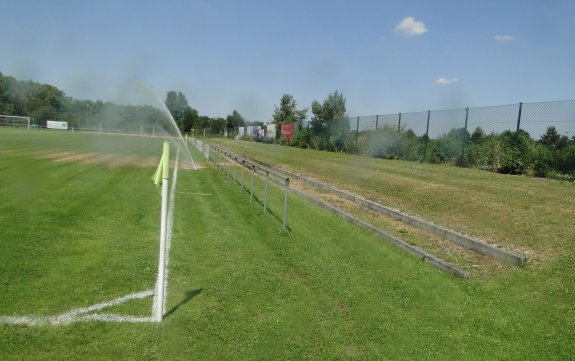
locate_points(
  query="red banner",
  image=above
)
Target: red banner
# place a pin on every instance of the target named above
(287, 131)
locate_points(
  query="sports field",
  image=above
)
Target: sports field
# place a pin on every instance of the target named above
(79, 226)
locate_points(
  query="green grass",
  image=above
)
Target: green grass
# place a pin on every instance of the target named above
(64, 224)
(240, 288)
(531, 215)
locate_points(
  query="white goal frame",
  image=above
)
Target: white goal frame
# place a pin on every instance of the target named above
(13, 117)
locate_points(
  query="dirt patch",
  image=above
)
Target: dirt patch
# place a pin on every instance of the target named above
(115, 160)
(110, 160)
(188, 165)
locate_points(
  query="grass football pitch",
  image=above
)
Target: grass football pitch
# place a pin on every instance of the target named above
(79, 225)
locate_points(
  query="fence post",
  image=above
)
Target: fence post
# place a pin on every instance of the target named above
(427, 134)
(356, 132)
(399, 123)
(376, 120)
(427, 128)
(285, 203)
(463, 144)
(519, 117)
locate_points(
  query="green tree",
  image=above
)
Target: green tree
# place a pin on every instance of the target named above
(553, 139)
(177, 104)
(217, 126)
(287, 113)
(233, 121)
(189, 119)
(202, 122)
(329, 122)
(46, 102)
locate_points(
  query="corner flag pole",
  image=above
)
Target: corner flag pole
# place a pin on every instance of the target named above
(163, 173)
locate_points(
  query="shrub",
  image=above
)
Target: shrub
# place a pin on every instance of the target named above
(565, 159)
(283, 141)
(389, 143)
(484, 152)
(448, 148)
(302, 139)
(317, 143)
(516, 152)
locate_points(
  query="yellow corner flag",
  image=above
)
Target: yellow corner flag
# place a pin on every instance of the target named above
(163, 171)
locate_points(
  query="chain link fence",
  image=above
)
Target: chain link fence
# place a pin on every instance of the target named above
(533, 118)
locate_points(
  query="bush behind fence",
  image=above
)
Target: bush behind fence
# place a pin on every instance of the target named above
(524, 138)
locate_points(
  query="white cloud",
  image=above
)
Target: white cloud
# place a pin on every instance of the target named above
(446, 81)
(411, 27)
(504, 37)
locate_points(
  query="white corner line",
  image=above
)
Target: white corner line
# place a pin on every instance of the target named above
(82, 314)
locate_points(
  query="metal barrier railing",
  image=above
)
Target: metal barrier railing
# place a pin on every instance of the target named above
(226, 160)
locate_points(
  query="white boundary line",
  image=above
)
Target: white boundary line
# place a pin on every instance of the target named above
(85, 313)
(82, 314)
(195, 194)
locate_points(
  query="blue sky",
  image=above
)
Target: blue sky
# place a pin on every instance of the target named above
(385, 56)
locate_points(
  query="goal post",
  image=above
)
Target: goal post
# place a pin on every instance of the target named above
(14, 121)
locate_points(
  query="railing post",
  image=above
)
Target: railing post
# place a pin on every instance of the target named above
(285, 202)
(243, 167)
(266, 193)
(228, 164)
(235, 166)
(252, 188)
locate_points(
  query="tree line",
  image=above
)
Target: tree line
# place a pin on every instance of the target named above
(43, 102)
(188, 119)
(329, 127)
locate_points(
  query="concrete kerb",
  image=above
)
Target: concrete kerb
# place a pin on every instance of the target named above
(498, 254)
(413, 250)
